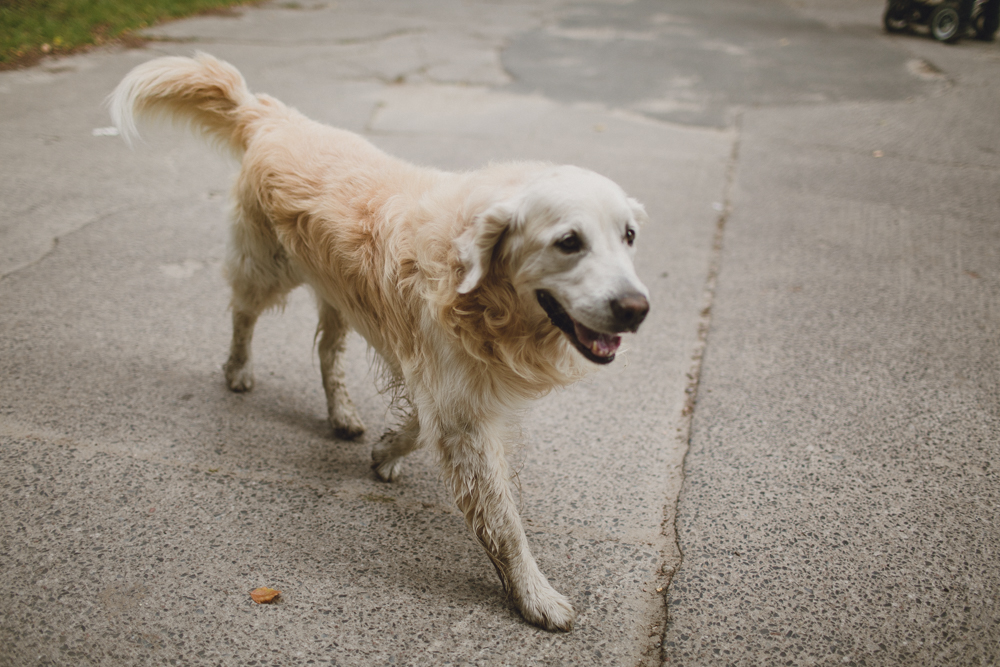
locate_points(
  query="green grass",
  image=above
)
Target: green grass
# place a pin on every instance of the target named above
(30, 29)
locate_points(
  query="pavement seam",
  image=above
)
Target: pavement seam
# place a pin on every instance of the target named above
(55, 241)
(52, 246)
(72, 232)
(697, 356)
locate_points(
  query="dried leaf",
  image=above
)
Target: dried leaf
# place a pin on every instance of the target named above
(264, 594)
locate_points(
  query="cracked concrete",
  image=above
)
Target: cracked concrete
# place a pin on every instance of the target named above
(839, 490)
(822, 261)
(147, 499)
(706, 59)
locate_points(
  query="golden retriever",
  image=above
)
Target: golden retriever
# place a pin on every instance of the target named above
(479, 290)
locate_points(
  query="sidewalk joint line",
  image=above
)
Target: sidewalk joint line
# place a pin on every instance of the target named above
(698, 355)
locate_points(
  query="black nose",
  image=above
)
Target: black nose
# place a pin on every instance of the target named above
(630, 311)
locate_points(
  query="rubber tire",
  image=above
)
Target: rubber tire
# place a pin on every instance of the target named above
(986, 22)
(895, 17)
(945, 23)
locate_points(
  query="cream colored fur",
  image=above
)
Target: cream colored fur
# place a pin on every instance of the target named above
(438, 271)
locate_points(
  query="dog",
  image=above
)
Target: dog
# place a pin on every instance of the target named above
(479, 291)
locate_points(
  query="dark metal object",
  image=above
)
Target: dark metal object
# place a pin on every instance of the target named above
(946, 20)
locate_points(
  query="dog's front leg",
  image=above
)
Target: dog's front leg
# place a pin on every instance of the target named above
(388, 452)
(475, 465)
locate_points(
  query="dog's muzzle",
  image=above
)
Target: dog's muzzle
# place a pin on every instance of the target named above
(600, 348)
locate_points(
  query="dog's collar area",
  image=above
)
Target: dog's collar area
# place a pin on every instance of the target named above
(598, 347)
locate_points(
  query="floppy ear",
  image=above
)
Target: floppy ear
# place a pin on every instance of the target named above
(477, 243)
(638, 211)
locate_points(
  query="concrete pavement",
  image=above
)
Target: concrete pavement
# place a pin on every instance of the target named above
(841, 492)
(823, 265)
(143, 500)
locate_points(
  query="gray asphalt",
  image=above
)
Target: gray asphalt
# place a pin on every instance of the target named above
(794, 463)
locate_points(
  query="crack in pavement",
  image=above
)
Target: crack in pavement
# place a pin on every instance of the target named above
(694, 374)
(55, 240)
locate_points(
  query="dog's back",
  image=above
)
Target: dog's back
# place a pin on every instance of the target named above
(324, 198)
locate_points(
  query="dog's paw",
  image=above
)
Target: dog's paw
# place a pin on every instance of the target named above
(344, 418)
(388, 471)
(386, 461)
(347, 426)
(548, 609)
(239, 378)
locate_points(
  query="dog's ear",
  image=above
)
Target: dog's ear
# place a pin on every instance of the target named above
(638, 212)
(478, 242)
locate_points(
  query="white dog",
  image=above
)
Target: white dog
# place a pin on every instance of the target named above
(479, 290)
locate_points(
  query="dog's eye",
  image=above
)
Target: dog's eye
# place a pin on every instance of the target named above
(630, 236)
(570, 243)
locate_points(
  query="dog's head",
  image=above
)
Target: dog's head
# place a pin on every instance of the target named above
(568, 239)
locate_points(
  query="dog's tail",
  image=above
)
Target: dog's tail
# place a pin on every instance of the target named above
(206, 93)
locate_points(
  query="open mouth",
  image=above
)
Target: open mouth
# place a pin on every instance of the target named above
(594, 345)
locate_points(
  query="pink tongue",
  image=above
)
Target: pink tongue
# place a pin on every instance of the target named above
(601, 344)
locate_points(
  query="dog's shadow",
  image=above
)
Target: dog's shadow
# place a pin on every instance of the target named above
(423, 548)
(416, 539)
(405, 539)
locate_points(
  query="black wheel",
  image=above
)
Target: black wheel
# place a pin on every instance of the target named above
(986, 20)
(895, 17)
(945, 23)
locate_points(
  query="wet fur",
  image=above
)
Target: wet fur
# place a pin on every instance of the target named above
(386, 246)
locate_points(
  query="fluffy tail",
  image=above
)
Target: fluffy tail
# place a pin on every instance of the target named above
(206, 93)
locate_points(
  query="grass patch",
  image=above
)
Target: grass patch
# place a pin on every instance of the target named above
(30, 29)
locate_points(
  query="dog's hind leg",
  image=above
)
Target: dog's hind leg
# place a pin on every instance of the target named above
(333, 333)
(388, 452)
(260, 275)
(473, 459)
(239, 367)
